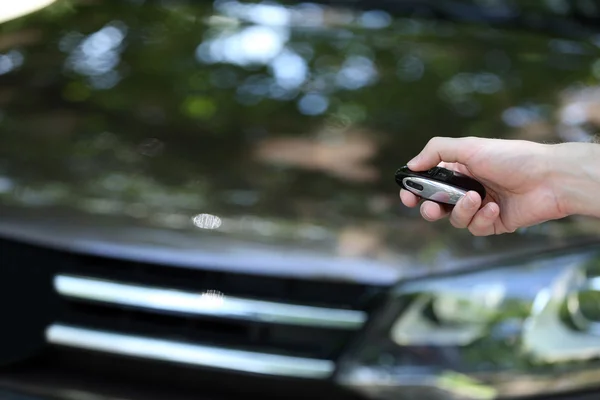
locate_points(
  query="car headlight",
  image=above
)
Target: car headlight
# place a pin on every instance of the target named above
(525, 328)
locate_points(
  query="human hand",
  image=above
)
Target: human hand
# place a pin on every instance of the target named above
(516, 174)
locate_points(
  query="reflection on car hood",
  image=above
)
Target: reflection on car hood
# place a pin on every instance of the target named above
(264, 138)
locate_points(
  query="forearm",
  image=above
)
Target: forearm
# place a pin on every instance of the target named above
(576, 178)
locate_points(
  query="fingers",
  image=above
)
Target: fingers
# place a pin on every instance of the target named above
(466, 214)
(461, 215)
(443, 149)
(483, 223)
(432, 211)
(456, 167)
(429, 210)
(409, 199)
(465, 210)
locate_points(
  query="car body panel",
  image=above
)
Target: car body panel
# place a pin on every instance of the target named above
(121, 123)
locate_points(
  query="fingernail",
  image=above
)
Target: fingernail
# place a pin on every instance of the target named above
(489, 212)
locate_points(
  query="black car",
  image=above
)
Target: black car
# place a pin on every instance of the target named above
(197, 201)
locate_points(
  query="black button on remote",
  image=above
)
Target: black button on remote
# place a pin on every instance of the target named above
(414, 185)
(433, 171)
(443, 174)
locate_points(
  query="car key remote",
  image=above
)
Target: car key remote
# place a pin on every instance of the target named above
(438, 184)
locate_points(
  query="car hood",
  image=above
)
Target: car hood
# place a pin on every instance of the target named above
(321, 254)
(264, 138)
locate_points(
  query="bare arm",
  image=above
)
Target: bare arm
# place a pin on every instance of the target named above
(576, 177)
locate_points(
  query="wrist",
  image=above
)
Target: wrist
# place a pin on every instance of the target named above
(575, 178)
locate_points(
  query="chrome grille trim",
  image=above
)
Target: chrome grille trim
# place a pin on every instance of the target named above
(193, 303)
(191, 354)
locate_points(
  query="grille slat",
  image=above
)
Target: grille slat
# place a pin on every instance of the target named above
(173, 351)
(328, 294)
(162, 299)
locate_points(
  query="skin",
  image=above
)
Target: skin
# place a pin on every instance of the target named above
(527, 183)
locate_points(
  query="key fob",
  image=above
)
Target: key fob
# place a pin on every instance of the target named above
(438, 184)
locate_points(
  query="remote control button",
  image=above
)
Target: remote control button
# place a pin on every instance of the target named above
(443, 174)
(414, 185)
(433, 171)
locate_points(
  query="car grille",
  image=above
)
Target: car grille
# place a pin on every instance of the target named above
(193, 316)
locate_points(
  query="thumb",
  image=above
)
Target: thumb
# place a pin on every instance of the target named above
(443, 149)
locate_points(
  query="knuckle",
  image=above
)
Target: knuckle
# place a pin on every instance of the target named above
(434, 140)
(433, 143)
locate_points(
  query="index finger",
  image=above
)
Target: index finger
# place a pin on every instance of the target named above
(443, 149)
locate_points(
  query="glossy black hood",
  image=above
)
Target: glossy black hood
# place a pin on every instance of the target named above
(262, 137)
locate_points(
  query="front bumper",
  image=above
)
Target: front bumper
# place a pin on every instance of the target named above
(79, 376)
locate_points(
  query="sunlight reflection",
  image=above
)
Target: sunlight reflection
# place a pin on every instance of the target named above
(356, 72)
(313, 104)
(375, 19)
(255, 44)
(266, 41)
(10, 61)
(289, 69)
(15, 9)
(97, 55)
(264, 14)
(207, 221)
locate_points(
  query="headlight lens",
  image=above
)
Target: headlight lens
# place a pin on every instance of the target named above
(530, 328)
